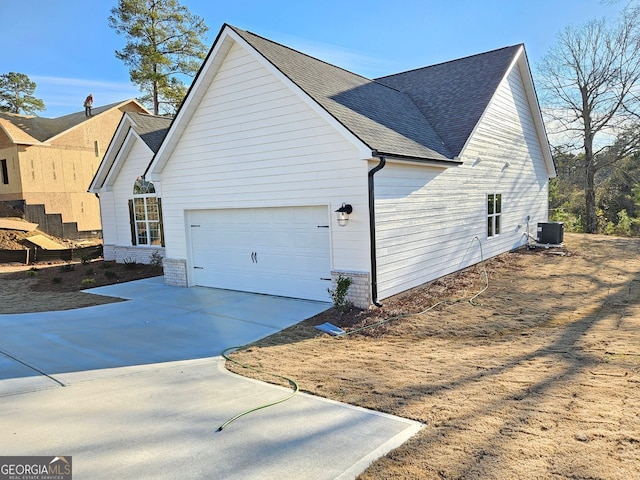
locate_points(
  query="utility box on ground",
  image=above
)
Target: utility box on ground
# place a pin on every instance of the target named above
(551, 233)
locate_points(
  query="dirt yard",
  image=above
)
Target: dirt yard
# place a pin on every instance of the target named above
(48, 287)
(538, 378)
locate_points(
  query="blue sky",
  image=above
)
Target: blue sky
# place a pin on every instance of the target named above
(67, 47)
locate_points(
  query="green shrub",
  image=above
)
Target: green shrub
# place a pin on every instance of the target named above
(155, 260)
(339, 293)
(88, 281)
(32, 272)
(624, 224)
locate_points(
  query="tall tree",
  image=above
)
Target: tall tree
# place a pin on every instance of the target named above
(590, 80)
(164, 45)
(16, 94)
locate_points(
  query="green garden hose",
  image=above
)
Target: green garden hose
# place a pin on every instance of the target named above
(472, 301)
(293, 384)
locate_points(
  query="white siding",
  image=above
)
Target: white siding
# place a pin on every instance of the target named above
(114, 205)
(427, 219)
(254, 143)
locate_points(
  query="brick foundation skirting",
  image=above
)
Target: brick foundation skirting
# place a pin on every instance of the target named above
(123, 254)
(175, 272)
(360, 289)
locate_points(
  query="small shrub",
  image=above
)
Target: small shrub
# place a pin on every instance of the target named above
(85, 259)
(130, 263)
(32, 272)
(57, 280)
(67, 267)
(155, 260)
(88, 281)
(110, 274)
(339, 294)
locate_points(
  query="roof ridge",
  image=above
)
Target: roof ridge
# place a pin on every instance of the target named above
(152, 115)
(443, 147)
(450, 61)
(299, 52)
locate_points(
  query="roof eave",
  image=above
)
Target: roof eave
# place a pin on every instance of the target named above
(430, 161)
(112, 153)
(64, 132)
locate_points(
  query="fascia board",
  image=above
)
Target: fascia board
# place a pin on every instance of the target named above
(130, 140)
(110, 155)
(521, 62)
(197, 91)
(364, 151)
(534, 107)
(203, 81)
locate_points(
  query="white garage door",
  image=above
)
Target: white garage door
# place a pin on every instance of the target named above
(276, 251)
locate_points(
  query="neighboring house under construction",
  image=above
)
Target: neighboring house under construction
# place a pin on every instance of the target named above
(47, 164)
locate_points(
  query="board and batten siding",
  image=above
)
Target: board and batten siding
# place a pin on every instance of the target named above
(431, 222)
(253, 143)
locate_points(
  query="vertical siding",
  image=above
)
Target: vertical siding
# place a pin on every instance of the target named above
(253, 143)
(427, 219)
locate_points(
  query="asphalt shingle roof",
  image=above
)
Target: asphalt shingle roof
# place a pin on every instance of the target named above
(453, 95)
(426, 113)
(151, 128)
(43, 129)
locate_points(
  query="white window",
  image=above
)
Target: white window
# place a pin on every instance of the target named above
(146, 214)
(494, 214)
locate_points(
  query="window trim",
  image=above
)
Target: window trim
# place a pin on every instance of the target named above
(493, 202)
(147, 192)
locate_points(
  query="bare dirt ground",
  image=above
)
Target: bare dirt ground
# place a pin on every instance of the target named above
(49, 287)
(538, 378)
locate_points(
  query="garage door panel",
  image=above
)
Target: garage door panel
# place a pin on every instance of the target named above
(277, 251)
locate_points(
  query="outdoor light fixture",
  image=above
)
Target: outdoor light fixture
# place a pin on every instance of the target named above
(343, 214)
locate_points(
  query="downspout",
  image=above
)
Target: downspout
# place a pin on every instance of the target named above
(372, 230)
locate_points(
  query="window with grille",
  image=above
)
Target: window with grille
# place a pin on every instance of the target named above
(145, 210)
(494, 214)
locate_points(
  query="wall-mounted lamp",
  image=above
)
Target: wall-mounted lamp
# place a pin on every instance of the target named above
(505, 166)
(343, 214)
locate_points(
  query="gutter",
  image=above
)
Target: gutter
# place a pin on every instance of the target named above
(372, 228)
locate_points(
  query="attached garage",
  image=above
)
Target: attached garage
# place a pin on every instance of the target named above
(269, 143)
(276, 251)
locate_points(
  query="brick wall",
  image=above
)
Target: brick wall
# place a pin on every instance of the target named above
(126, 254)
(359, 291)
(175, 272)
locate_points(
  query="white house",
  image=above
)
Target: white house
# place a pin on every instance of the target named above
(130, 206)
(432, 165)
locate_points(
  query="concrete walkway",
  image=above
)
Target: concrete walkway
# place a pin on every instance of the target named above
(136, 390)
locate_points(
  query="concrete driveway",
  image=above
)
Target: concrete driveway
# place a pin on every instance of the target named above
(137, 389)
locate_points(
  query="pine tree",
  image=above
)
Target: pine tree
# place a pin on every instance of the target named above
(16, 94)
(164, 46)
